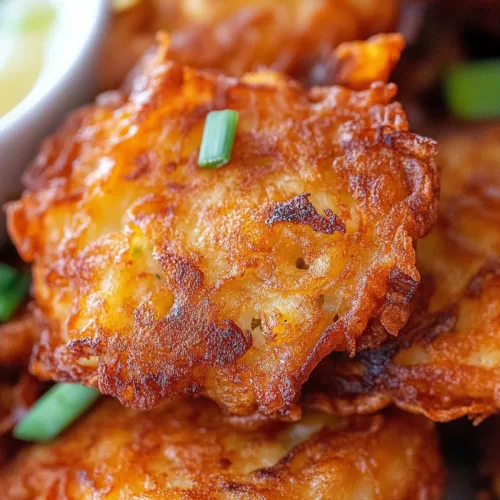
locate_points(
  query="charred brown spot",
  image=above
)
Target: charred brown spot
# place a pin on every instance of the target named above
(299, 210)
(402, 286)
(301, 264)
(256, 323)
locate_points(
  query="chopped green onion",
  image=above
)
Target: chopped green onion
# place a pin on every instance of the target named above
(11, 298)
(473, 89)
(54, 412)
(218, 138)
(8, 276)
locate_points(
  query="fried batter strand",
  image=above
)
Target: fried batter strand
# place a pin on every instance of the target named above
(235, 36)
(189, 451)
(158, 278)
(446, 363)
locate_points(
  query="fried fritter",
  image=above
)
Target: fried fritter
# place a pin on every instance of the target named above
(159, 278)
(188, 450)
(446, 364)
(237, 36)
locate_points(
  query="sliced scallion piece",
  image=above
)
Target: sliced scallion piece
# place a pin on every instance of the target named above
(473, 89)
(54, 412)
(11, 298)
(8, 276)
(218, 138)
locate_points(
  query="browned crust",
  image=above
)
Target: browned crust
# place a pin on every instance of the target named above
(446, 362)
(356, 64)
(190, 451)
(299, 210)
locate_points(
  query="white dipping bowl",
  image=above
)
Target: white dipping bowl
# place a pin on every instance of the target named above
(66, 81)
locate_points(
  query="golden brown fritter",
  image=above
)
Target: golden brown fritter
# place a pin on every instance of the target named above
(446, 363)
(237, 36)
(159, 278)
(189, 451)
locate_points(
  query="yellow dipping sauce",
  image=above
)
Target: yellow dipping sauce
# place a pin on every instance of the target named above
(25, 26)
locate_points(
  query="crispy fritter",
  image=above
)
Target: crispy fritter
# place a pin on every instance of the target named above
(189, 451)
(159, 278)
(237, 36)
(446, 363)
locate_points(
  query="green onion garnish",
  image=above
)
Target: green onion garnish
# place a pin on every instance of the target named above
(473, 89)
(54, 412)
(8, 276)
(218, 138)
(11, 298)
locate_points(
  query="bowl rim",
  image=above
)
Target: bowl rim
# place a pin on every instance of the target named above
(83, 20)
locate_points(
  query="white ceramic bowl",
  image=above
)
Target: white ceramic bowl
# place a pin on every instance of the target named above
(66, 81)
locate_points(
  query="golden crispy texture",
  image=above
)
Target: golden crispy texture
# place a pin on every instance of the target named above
(189, 451)
(357, 64)
(159, 278)
(235, 36)
(446, 363)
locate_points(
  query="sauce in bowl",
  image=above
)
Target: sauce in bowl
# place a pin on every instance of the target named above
(25, 28)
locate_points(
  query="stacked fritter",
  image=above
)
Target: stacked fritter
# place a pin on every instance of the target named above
(446, 361)
(302, 284)
(234, 36)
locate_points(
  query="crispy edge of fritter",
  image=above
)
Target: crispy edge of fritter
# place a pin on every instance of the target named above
(446, 390)
(358, 64)
(443, 392)
(188, 450)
